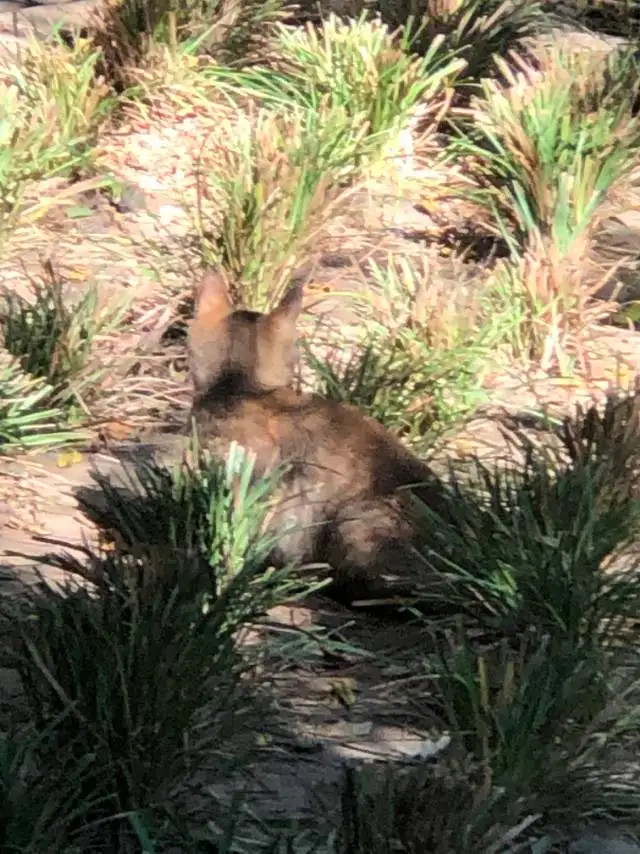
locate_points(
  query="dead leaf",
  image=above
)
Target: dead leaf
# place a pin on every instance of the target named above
(66, 459)
(79, 274)
(114, 431)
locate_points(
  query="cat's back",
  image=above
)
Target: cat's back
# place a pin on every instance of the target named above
(336, 438)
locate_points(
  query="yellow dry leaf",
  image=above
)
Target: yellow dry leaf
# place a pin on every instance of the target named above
(66, 459)
(316, 287)
(78, 274)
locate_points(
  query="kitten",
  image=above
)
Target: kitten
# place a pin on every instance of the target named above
(340, 490)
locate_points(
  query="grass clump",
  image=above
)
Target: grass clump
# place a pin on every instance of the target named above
(148, 674)
(199, 506)
(533, 736)
(52, 106)
(428, 807)
(548, 157)
(39, 805)
(475, 30)
(552, 725)
(279, 186)
(28, 419)
(529, 547)
(137, 658)
(416, 392)
(331, 100)
(357, 379)
(419, 364)
(536, 674)
(129, 33)
(535, 564)
(53, 340)
(358, 67)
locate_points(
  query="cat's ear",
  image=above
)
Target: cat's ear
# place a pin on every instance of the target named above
(212, 300)
(284, 318)
(207, 330)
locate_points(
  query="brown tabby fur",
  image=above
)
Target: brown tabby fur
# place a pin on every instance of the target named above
(344, 468)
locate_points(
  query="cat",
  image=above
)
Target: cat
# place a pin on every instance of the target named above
(344, 469)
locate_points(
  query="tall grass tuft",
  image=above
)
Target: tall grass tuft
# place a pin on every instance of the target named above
(357, 67)
(418, 365)
(416, 392)
(28, 416)
(475, 30)
(137, 654)
(536, 676)
(551, 726)
(53, 339)
(200, 507)
(51, 108)
(548, 153)
(279, 186)
(547, 546)
(128, 33)
(41, 802)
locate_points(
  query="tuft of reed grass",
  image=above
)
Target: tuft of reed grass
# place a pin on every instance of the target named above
(42, 802)
(544, 546)
(416, 392)
(28, 416)
(477, 31)
(129, 33)
(418, 365)
(53, 340)
(279, 186)
(548, 153)
(51, 108)
(552, 727)
(357, 67)
(137, 654)
(211, 510)
(536, 675)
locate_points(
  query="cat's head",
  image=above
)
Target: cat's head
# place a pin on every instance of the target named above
(236, 351)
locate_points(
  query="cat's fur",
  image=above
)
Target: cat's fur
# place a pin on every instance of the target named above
(344, 471)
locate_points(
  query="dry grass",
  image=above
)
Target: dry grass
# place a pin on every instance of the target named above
(279, 188)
